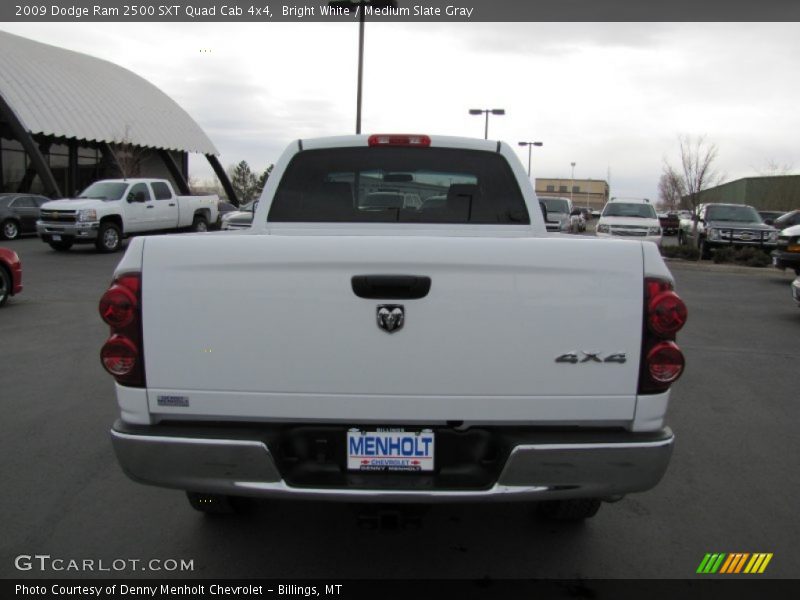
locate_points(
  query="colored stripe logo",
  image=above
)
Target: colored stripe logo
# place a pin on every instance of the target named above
(734, 563)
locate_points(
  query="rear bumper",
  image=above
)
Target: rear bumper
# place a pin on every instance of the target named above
(538, 465)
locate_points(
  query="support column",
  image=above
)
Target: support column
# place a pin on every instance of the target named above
(32, 149)
(223, 179)
(175, 171)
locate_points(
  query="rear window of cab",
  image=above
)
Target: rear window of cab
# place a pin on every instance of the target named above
(399, 185)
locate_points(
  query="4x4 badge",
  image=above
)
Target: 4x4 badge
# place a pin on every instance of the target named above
(572, 358)
(391, 317)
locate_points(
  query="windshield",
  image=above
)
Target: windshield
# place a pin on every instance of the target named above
(556, 205)
(739, 214)
(628, 209)
(104, 190)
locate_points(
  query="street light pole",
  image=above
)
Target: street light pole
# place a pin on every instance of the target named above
(530, 145)
(486, 111)
(348, 4)
(360, 65)
(572, 182)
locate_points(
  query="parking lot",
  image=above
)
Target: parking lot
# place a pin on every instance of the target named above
(732, 485)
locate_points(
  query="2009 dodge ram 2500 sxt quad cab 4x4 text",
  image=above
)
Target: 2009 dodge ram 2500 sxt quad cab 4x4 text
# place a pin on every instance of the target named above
(414, 335)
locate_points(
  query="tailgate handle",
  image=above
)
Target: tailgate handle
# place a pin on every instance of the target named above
(391, 287)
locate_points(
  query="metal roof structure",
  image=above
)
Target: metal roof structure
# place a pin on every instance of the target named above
(58, 92)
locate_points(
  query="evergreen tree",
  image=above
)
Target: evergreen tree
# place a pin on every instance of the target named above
(244, 182)
(262, 181)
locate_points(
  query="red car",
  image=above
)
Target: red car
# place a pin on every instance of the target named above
(10, 274)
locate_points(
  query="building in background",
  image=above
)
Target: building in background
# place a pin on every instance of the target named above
(777, 192)
(68, 119)
(591, 193)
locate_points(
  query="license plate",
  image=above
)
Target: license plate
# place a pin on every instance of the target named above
(390, 450)
(56, 238)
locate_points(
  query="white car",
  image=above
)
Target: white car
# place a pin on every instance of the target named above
(558, 213)
(635, 219)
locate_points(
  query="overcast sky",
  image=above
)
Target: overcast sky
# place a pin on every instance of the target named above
(610, 97)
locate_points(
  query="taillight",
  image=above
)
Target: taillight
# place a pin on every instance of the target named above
(664, 362)
(119, 355)
(399, 139)
(120, 308)
(664, 315)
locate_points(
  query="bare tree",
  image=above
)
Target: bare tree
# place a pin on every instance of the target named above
(697, 167)
(670, 188)
(773, 168)
(128, 155)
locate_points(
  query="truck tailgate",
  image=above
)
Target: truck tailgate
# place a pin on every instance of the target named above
(269, 327)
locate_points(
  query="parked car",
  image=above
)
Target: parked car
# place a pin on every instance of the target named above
(577, 222)
(788, 219)
(223, 208)
(670, 223)
(717, 225)
(629, 219)
(441, 354)
(241, 218)
(111, 209)
(558, 213)
(769, 216)
(10, 274)
(787, 251)
(19, 213)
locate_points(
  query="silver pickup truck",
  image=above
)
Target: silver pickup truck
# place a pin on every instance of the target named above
(395, 352)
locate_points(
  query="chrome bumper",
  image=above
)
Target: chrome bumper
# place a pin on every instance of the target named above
(544, 471)
(78, 231)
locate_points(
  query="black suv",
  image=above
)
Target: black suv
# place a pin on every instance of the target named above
(719, 225)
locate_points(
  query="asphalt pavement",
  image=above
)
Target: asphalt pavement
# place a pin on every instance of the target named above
(732, 485)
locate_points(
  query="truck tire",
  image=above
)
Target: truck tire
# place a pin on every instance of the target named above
(10, 229)
(62, 246)
(212, 504)
(109, 237)
(569, 510)
(5, 286)
(200, 223)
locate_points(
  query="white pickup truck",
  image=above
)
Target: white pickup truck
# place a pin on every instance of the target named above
(111, 209)
(393, 353)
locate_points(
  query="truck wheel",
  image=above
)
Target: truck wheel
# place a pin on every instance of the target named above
(10, 229)
(109, 238)
(60, 246)
(200, 223)
(5, 286)
(212, 504)
(569, 510)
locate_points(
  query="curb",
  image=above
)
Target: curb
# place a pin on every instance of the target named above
(707, 265)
